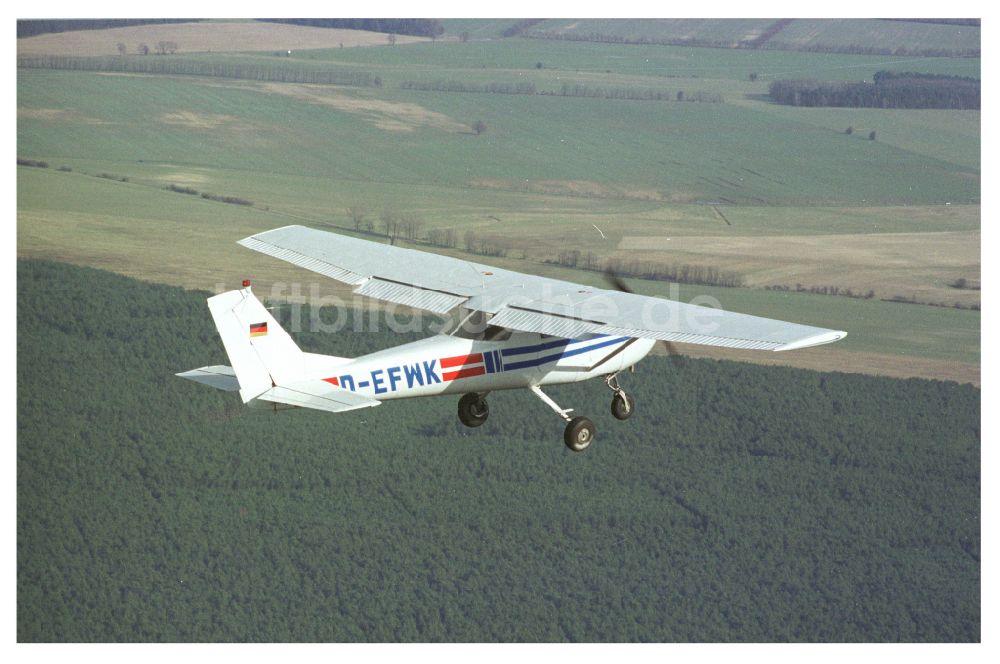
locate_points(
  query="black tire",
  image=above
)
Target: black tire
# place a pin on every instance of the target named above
(579, 434)
(622, 406)
(473, 410)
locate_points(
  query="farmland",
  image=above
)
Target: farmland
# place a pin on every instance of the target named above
(781, 195)
(197, 37)
(854, 36)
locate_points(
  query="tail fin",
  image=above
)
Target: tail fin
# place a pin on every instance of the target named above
(262, 354)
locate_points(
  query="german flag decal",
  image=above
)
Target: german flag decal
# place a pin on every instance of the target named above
(258, 329)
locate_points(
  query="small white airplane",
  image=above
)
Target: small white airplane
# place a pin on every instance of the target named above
(513, 331)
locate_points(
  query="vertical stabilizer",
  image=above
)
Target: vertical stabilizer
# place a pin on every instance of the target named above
(262, 353)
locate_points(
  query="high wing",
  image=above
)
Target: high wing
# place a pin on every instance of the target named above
(523, 302)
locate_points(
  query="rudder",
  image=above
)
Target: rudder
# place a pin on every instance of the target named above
(261, 352)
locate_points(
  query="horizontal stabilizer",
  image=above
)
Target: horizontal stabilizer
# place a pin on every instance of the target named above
(219, 377)
(318, 395)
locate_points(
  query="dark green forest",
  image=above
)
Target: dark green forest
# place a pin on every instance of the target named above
(888, 89)
(32, 27)
(741, 503)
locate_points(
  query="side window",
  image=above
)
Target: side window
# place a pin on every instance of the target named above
(496, 333)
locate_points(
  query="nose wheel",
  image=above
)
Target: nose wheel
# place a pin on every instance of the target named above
(580, 431)
(473, 409)
(622, 403)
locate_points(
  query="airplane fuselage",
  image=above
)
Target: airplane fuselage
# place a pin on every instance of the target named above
(452, 365)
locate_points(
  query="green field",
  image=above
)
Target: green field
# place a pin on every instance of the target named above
(543, 174)
(804, 34)
(665, 64)
(701, 152)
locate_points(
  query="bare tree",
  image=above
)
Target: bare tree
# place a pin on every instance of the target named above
(121, 49)
(442, 237)
(569, 257)
(392, 39)
(390, 225)
(357, 214)
(479, 127)
(143, 49)
(464, 37)
(412, 224)
(165, 47)
(471, 241)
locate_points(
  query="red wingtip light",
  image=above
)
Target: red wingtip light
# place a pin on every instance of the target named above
(246, 283)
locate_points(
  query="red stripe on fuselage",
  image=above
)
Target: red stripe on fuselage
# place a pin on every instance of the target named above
(459, 360)
(464, 373)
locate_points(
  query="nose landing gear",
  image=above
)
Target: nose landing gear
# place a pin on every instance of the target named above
(473, 409)
(622, 403)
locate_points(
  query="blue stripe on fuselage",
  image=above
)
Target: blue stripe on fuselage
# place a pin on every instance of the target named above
(545, 359)
(537, 348)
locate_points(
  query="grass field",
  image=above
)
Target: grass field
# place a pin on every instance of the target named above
(780, 194)
(520, 57)
(144, 243)
(798, 34)
(708, 153)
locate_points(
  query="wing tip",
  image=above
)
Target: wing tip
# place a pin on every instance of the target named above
(257, 236)
(826, 337)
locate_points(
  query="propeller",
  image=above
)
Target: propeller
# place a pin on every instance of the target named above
(616, 280)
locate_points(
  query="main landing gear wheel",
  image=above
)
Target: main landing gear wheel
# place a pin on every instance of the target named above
(622, 405)
(579, 434)
(473, 410)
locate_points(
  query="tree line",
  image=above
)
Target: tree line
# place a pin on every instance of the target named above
(189, 66)
(887, 90)
(565, 90)
(706, 275)
(393, 225)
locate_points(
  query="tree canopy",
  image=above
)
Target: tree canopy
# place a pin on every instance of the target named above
(740, 503)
